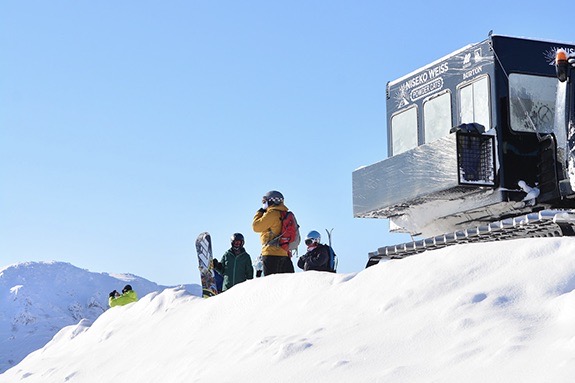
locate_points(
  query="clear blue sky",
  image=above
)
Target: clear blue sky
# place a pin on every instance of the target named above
(129, 127)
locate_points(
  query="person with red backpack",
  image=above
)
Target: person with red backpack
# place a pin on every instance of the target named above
(269, 221)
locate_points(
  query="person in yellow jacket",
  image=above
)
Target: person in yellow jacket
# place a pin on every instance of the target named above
(128, 296)
(267, 222)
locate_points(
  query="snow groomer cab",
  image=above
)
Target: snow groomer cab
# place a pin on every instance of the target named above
(480, 147)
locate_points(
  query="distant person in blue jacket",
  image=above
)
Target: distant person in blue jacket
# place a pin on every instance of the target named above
(219, 278)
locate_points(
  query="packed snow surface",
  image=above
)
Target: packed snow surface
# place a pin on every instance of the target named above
(39, 298)
(489, 312)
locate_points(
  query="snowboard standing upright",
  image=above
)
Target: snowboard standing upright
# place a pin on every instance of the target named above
(206, 265)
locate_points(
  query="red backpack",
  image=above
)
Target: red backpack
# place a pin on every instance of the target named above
(290, 238)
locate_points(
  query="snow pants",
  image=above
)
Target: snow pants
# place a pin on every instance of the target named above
(276, 264)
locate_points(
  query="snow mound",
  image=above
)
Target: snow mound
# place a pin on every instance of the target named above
(39, 298)
(494, 312)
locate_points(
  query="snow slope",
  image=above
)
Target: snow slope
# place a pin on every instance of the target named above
(40, 298)
(495, 312)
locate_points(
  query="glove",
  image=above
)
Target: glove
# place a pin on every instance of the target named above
(217, 264)
(261, 210)
(113, 294)
(258, 273)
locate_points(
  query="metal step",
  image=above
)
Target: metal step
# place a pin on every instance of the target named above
(545, 223)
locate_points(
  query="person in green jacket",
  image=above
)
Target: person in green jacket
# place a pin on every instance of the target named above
(128, 296)
(236, 264)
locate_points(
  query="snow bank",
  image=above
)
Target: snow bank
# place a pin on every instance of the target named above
(495, 312)
(39, 298)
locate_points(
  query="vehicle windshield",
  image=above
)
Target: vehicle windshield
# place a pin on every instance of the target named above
(532, 103)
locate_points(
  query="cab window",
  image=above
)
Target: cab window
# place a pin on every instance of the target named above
(532, 103)
(404, 131)
(474, 103)
(437, 117)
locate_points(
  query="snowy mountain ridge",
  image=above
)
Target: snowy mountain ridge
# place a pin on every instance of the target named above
(489, 312)
(40, 298)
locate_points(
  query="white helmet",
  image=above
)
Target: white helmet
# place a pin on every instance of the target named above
(312, 237)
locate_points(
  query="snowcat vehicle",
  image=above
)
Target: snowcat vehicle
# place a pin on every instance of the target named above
(481, 147)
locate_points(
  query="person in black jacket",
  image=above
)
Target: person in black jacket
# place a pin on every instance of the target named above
(318, 255)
